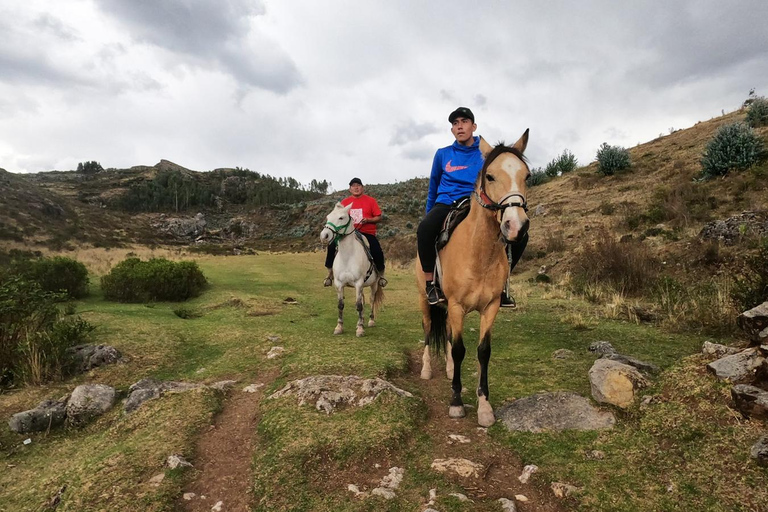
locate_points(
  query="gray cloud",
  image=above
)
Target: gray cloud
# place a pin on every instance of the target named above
(412, 131)
(206, 32)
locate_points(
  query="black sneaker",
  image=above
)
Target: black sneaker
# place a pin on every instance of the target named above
(434, 294)
(507, 301)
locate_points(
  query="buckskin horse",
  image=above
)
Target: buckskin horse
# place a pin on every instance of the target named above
(473, 268)
(352, 266)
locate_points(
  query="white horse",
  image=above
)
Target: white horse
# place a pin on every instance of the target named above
(351, 266)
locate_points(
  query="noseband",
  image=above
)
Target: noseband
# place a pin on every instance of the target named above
(339, 231)
(490, 204)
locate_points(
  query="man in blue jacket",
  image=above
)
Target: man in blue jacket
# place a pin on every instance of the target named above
(454, 173)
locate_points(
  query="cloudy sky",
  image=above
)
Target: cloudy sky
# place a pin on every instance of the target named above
(317, 89)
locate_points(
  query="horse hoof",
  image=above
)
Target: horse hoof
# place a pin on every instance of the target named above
(371, 323)
(485, 416)
(338, 330)
(456, 411)
(360, 333)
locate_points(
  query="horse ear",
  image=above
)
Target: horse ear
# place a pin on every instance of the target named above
(348, 207)
(485, 148)
(522, 142)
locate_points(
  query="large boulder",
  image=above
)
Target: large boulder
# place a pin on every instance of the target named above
(738, 368)
(89, 401)
(554, 412)
(48, 414)
(88, 357)
(646, 368)
(755, 323)
(750, 401)
(615, 383)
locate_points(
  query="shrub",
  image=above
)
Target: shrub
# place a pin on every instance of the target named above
(158, 279)
(537, 177)
(60, 274)
(751, 285)
(734, 146)
(563, 164)
(757, 115)
(33, 340)
(611, 159)
(90, 167)
(627, 267)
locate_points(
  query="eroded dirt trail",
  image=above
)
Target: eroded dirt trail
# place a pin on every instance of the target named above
(224, 453)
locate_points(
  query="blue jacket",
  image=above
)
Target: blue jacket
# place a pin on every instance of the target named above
(454, 172)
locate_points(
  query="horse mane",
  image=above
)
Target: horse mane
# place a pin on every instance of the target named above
(497, 150)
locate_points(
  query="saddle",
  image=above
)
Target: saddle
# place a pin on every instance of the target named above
(364, 242)
(458, 213)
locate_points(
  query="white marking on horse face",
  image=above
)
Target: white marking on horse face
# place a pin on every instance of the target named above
(514, 219)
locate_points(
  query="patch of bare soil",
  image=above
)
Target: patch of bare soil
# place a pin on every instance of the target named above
(501, 466)
(223, 455)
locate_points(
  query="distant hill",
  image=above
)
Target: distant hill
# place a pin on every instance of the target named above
(657, 199)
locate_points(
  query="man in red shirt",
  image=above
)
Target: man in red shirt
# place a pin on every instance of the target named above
(365, 213)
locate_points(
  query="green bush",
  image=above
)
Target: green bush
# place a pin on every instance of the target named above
(563, 164)
(537, 177)
(751, 285)
(757, 115)
(33, 339)
(734, 146)
(611, 159)
(58, 274)
(158, 279)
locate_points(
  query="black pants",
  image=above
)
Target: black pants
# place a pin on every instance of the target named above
(430, 227)
(376, 253)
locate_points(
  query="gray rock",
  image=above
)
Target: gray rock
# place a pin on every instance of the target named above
(554, 412)
(750, 401)
(138, 397)
(615, 383)
(647, 368)
(759, 451)
(732, 230)
(602, 347)
(89, 401)
(755, 323)
(88, 357)
(148, 389)
(718, 350)
(48, 414)
(738, 368)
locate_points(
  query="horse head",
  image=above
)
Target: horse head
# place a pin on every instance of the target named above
(501, 186)
(338, 223)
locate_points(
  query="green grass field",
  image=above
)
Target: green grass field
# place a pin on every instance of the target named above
(687, 452)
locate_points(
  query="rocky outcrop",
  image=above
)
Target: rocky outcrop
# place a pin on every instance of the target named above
(48, 414)
(554, 412)
(733, 229)
(755, 323)
(147, 389)
(738, 368)
(88, 357)
(179, 227)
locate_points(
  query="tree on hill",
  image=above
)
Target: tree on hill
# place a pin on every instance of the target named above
(90, 167)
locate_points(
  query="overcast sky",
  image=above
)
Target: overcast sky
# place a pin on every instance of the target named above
(317, 89)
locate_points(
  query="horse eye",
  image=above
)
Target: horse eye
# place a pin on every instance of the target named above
(489, 177)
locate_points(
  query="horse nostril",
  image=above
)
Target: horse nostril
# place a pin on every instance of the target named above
(524, 228)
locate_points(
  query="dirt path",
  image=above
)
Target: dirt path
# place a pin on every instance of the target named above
(224, 453)
(502, 466)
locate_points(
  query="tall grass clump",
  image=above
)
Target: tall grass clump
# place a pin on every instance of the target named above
(158, 279)
(757, 115)
(627, 267)
(704, 306)
(33, 337)
(611, 159)
(563, 164)
(538, 177)
(734, 147)
(751, 285)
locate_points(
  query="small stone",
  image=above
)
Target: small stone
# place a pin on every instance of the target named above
(384, 492)
(223, 385)
(562, 490)
(252, 388)
(275, 352)
(459, 496)
(28, 441)
(218, 507)
(522, 498)
(462, 467)
(527, 472)
(594, 455)
(393, 479)
(507, 505)
(354, 489)
(175, 461)
(459, 438)
(157, 479)
(189, 496)
(273, 339)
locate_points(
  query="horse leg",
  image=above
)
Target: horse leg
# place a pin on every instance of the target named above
(359, 305)
(340, 326)
(456, 350)
(374, 288)
(485, 416)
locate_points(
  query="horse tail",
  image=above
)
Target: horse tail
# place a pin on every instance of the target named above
(378, 300)
(437, 336)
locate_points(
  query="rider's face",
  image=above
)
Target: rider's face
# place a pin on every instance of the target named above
(463, 129)
(356, 189)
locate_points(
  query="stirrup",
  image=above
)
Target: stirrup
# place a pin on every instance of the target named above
(328, 281)
(435, 295)
(507, 301)
(383, 282)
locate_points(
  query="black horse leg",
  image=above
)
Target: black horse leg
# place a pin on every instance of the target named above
(457, 352)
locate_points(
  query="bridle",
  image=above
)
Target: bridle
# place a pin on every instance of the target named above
(488, 203)
(339, 231)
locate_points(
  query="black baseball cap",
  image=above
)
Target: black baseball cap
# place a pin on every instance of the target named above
(355, 180)
(461, 112)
